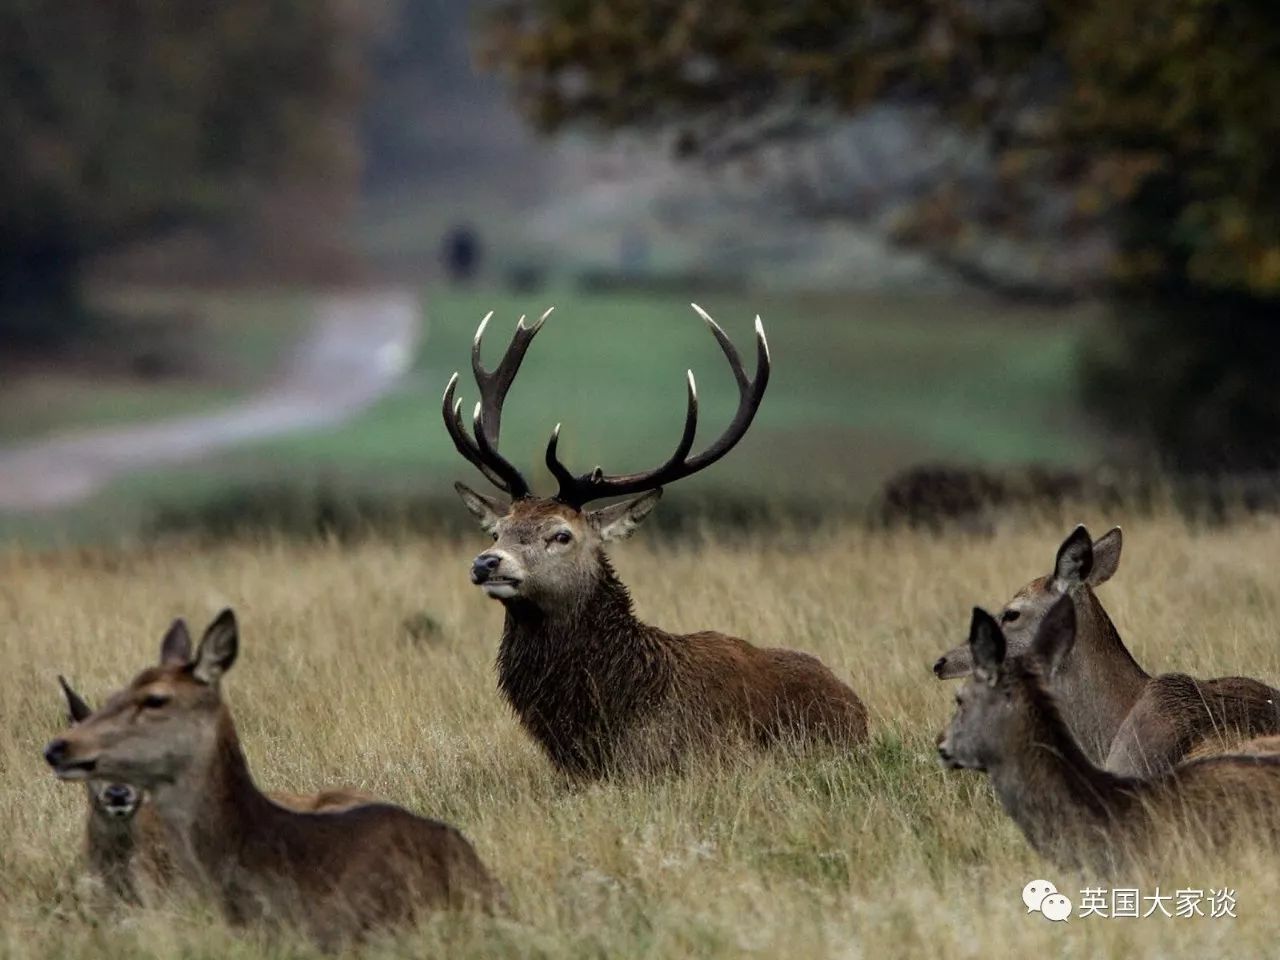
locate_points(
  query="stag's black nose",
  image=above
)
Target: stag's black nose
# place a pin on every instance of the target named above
(117, 795)
(484, 566)
(56, 752)
(938, 665)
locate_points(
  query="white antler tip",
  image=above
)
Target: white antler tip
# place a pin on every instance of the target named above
(538, 323)
(764, 341)
(480, 329)
(555, 434)
(693, 384)
(476, 415)
(453, 382)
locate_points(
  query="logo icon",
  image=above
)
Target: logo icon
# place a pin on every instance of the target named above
(1041, 896)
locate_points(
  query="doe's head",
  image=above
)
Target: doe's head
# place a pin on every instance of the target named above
(150, 732)
(993, 715)
(110, 801)
(1080, 565)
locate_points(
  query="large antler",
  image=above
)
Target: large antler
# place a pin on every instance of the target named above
(487, 419)
(579, 490)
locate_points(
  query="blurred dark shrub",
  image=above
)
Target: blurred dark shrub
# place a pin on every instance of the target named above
(309, 511)
(119, 121)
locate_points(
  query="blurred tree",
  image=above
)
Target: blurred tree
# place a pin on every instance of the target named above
(121, 118)
(1155, 120)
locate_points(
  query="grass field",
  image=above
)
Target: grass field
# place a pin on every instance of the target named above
(862, 386)
(878, 853)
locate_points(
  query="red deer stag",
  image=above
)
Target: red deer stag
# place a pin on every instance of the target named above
(1124, 718)
(334, 874)
(124, 839)
(595, 687)
(1079, 816)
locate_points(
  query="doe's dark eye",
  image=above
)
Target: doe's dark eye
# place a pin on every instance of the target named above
(562, 536)
(154, 700)
(1009, 616)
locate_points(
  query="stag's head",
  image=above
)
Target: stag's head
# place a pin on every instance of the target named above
(163, 723)
(547, 550)
(995, 708)
(1081, 564)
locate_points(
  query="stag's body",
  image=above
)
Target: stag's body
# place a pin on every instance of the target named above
(336, 873)
(599, 690)
(596, 688)
(1073, 812)
(1126, 720)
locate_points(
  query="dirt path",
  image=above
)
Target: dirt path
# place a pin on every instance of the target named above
(359, 346)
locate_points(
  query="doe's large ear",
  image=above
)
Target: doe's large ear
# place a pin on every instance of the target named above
(218, 648)
(175, 648)
(77, 709)
(488, 510)
(619, 520)
(1075, 558)
(1106, 556)
(986, 645)
(1056, 634)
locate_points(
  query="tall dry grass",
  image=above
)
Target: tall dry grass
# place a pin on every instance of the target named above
(371, 666)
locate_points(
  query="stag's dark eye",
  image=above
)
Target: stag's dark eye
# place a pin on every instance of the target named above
(495, 537)
(562, 536)
(1009, 616)
(154, 701)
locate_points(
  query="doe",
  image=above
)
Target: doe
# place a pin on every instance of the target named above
(335, 874)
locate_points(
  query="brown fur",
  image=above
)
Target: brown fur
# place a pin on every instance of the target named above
(1077, 814)
(601, 691)
(1125, 719)
(125, 846)
(335, 874)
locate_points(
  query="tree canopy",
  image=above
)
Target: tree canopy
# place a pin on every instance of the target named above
(1156, 121)
(117, 119)
(1164, 108)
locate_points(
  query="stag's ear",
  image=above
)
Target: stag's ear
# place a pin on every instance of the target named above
(487, 510)
(1106, 556)
(1075, 559)
(77, 709)
(1056, 634)
(175, 648)
(218, 648)
(986, 645)
(618, 521)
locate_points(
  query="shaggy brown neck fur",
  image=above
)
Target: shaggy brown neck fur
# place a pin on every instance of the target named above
(1100, 681)
(577, 677)
(1062, 802)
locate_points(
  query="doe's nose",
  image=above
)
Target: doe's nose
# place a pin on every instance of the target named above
(484, 566)
(56, 752)
(117, 794)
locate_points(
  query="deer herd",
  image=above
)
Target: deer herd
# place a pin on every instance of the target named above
(1098, 762)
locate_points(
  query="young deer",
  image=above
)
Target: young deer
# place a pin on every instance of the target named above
(124, 839)
(1124, 718)
(595, 687)
(1072, 812)
(335, 874)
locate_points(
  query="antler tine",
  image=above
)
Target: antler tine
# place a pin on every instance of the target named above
(487, 422)
(495, 383)
(453, 424)
(580, 490)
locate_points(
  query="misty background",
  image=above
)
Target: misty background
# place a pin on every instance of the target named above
(1004, 253)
